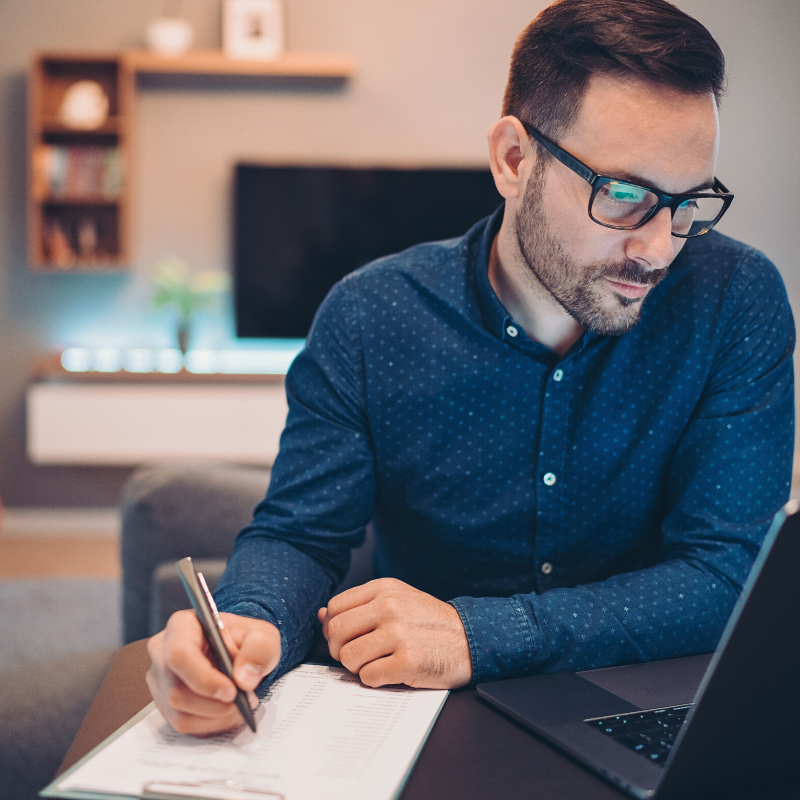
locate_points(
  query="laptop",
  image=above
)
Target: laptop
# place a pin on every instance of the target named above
(685, 727)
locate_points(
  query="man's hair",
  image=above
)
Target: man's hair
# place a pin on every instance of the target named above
(572, 40)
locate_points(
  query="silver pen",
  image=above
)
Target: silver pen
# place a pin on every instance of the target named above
(212, 625)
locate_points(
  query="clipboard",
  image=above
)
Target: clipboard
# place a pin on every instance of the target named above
(406, 739)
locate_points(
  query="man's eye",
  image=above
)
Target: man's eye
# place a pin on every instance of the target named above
(688, 205)
(624, 193)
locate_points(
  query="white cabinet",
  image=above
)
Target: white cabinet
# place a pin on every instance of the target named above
(128, 424)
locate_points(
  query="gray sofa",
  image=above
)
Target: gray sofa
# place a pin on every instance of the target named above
(41, 709)
(169, 512)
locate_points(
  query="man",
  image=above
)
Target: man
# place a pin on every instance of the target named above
(570, 428)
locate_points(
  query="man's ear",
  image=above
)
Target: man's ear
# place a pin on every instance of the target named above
(508, 141)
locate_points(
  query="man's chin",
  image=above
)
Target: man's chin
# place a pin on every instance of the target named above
(617, 315)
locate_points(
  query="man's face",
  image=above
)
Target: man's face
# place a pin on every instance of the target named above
(630, 130)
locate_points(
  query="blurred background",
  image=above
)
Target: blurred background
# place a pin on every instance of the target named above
(428, 84)
(424, 84)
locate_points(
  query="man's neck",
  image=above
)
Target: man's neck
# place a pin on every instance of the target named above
(530, 304)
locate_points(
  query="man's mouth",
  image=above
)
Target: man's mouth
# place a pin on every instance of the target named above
(631, 290)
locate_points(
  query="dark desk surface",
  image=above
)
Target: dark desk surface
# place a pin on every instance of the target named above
(472, 752)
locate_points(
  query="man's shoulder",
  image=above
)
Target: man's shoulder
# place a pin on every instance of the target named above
(433, 265)
(721, 255)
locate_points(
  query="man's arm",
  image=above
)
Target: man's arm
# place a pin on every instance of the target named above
(289, 560)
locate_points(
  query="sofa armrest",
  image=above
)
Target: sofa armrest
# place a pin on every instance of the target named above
(168, 594)
(169, 512)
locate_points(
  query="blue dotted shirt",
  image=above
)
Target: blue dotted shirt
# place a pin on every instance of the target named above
(596, 509)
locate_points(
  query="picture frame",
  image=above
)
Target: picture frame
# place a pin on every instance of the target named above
(253, 29)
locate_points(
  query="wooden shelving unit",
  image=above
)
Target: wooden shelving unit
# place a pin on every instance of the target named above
(79, 186)
(72, 225)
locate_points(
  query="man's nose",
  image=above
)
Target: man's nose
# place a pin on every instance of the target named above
(653, 245)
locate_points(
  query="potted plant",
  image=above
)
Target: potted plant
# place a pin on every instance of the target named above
(188, 292)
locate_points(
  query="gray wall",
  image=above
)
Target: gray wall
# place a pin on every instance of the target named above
(428, 87)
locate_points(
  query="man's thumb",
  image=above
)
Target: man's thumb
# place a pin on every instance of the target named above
(250, 664)
(248, 675)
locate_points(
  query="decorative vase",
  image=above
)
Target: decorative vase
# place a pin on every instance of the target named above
(183, 337)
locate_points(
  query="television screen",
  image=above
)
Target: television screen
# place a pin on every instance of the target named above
(299, 229)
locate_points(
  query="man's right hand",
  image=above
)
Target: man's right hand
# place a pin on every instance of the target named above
(193, 695)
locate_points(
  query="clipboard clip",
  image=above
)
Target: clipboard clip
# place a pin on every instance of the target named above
(213, 789)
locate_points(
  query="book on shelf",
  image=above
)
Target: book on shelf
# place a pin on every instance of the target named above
(77, 172)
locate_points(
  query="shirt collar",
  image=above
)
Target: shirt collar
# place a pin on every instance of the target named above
(494, 315)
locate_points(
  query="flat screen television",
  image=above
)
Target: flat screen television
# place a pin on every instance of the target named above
(299, 229)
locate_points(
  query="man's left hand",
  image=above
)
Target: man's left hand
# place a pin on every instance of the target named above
(388, 632)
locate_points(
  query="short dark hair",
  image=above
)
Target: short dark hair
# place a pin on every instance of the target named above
(571, 40)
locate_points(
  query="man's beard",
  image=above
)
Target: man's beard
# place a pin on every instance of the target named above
(579, 289)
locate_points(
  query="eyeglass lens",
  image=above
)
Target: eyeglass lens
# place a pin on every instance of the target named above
(624, 204)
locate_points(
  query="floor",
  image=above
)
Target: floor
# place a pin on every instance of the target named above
(48, 557)
(60, 574)
(59, 543)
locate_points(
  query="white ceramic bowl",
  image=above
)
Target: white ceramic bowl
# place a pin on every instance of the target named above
(169, 36)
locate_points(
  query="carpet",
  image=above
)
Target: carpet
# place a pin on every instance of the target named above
(44, 618)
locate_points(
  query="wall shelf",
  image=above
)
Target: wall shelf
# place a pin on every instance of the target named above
(80, 181)
(214, 62)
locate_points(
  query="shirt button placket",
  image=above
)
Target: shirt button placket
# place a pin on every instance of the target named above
(551, 455)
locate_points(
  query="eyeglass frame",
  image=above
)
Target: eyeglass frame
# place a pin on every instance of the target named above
(597, 181)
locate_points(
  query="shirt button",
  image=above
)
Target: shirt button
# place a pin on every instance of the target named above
(547, 568)
(511, 331)
(558, 375)
(549, 479)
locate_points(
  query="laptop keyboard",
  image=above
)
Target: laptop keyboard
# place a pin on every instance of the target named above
(649, 733)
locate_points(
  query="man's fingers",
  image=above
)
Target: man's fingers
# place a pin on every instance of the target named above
(191, 693)
(384, 672)
(351, 598)
(347, 626)
(364, 649)
(186, 711)
(259, 651)
(184, 654)
(183, 700)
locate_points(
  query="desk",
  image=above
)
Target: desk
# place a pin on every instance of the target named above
(472, 752)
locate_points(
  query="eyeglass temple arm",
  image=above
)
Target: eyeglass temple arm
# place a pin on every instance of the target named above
(562, 155)
(720, 186)
(587, 173)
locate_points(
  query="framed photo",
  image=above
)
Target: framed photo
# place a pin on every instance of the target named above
(252, 29)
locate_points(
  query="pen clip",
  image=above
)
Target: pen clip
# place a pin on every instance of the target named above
(204, 585)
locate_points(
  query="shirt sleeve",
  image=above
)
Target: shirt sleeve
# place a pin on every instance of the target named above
(729, 474)
(288, 561)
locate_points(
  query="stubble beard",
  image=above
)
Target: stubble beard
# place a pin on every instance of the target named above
(581, 290)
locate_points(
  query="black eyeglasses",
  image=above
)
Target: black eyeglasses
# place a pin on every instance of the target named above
(626, 206)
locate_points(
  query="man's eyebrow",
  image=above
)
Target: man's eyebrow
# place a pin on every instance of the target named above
(638, 179)
(699, 188)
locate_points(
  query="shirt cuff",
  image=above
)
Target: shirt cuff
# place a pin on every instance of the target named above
(293, 651)
(502, 638)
